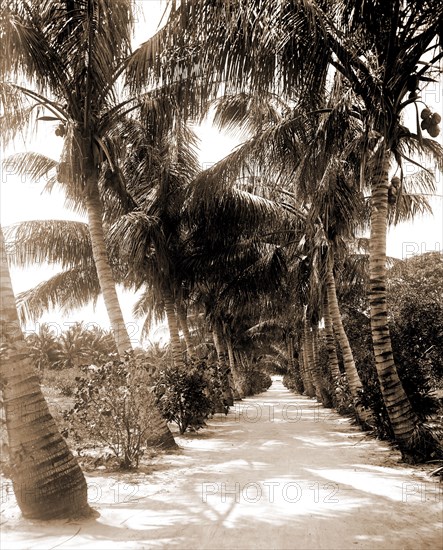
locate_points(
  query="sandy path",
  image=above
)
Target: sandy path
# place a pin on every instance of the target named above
(278, 472)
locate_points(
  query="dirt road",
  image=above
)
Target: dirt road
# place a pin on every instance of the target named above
(278, 472)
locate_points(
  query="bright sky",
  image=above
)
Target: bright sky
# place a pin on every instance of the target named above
(23, 200)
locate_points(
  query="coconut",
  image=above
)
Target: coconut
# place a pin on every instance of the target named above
(434, 130)
(436, 118)
(425, 113)
(425, 123)
(395, 182)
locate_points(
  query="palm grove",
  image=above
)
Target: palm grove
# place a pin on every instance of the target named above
(260, 252)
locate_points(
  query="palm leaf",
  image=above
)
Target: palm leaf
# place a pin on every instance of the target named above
(67, 291)
(61, 242)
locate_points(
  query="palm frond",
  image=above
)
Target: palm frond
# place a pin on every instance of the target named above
(32, 166)
(133, 235)
(61, 242)
(66, 291)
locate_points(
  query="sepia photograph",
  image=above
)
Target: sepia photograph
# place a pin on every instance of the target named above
(221, 274)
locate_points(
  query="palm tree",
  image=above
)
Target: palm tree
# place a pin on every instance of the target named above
(43, 348)
(67, 244)
(384, 51)
(47, 479)
(159, 169)
(71, 55)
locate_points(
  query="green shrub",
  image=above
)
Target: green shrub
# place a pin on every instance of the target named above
(182, 396)
(113, 409)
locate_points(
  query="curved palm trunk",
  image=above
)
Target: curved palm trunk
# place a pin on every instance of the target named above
(330, 346)
(160, 436)
(48, 482)
(355, 385)
(101, 260)
(176, 347)
(414, 443)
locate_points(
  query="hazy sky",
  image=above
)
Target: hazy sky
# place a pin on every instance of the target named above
(23, 200)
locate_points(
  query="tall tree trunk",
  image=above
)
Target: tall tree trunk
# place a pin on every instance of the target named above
(47, 480)
(176, 347)
(313, 362)
(325, 395)
(183, 321)
(331, 348)
(104, 273)
(160, 436)
(294, 365)
(363, 415)
(307, 380)
(219, 344)
(413, 440)
(232, 367)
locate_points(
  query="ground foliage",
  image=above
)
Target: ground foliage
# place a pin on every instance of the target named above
(183, 397)
(113, 409)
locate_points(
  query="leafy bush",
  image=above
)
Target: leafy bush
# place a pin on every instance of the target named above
(182, 397)
(413, 332)
(113, 406)
(292, 379)
(251, 379)
(289, 382)
(417, 340)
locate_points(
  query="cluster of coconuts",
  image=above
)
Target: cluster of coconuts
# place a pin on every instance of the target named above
(60, 130)
(394, 189)
(430, 122)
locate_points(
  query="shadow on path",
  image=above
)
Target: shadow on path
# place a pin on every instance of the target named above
(278, 472)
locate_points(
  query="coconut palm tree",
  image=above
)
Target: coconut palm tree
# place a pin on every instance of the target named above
(76, 285)
(47, 479)
(70, 56)
(386, 52)
(159, 169)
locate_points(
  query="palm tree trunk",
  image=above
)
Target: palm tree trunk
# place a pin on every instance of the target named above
(183, 321)
(325, 395)
(307, 380)
(176, 347)
(355, 385)
(313, 362)
(330, 346)
(160, 436)
(232, 367)
(224, 365)
(104, 273)
(294, 366)
(47, 480)
(410, 435)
